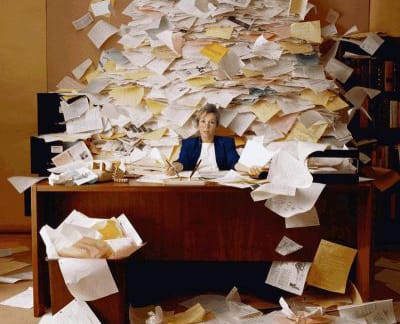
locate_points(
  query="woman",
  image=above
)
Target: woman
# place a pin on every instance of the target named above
(208, 152)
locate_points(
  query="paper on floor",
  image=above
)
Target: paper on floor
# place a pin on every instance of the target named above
(21, 300)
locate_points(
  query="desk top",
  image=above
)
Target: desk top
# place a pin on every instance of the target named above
(135, 186)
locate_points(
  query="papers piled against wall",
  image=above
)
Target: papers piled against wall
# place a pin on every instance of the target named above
(82, 246)
(258, 61)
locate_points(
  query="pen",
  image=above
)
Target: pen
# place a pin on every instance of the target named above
(194, 169)
(172, 166)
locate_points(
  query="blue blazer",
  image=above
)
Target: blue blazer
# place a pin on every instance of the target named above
(225, 152)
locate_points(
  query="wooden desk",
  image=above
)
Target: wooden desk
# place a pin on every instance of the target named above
(207, 223)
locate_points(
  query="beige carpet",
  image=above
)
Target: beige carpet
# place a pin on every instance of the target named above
(13, 315)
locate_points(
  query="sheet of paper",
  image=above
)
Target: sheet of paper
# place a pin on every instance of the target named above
(132, 41)
(75, 109)
(222, 97)
(269, 190)
(238, 3)
(293, 105)
(223, 32)
(263, 47)
(77, 152)
(130, 95)
(310, 72)
(178, 116)
(255, 154)
(83, 21)
(154, 135)
(87, 279)
(282, 67)
(16, 277)
(306, 219)
(101, 8)
(90, 121)
(308, 31)
(11, 251)
(95, 86)
(365, 309)
(227, 115)
(265, 110)
(215, 51)
(298, 7)
(289, 171)
(320, 98)
(338, 70)
(100, 32)
(21, 300)
(304, 200)
(357, 95)
(69, 83)
(230, 64)
(332, 16)
(287, 246)
(331, 266)
(75, 312)
(336, 104)
(21, 183)
(12, 265)
(241, 123)
(329, 30)
(139, 116)
(371, 43)
(194, 314)
(159, 65)
(312, 134)
(200, 9)
(283, 124)
(81, 69)
(296, 48)
(174, 41)
(288, 276)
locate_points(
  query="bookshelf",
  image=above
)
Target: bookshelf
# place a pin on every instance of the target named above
(378, 137)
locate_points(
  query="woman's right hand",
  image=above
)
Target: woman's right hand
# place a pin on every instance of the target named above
(255, 172)
(173, 168)
(170, 170)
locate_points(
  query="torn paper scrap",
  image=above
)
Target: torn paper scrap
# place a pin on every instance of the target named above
(287, 246)
(100, 32)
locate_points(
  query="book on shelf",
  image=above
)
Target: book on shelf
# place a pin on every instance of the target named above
(388, 76)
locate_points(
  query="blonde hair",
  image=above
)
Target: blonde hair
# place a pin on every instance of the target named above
(208, 109)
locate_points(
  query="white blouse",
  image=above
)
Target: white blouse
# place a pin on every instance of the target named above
(207, 157)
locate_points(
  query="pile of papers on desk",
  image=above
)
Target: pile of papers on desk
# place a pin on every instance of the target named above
(82, 246)
(258, 61)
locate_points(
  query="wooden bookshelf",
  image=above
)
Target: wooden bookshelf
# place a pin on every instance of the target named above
(381, 134)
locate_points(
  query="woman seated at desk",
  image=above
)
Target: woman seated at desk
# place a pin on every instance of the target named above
(209, 152)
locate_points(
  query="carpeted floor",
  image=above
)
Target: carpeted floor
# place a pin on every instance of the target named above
(11, 315)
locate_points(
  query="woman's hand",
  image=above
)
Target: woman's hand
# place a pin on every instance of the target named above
(255, 171)
(173, 169)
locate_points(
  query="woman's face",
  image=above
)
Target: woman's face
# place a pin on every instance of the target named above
(207, 127)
